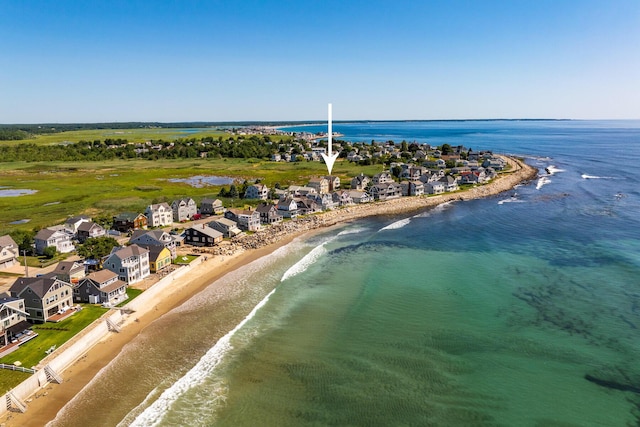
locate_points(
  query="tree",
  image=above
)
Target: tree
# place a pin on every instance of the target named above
(446, 149)
(396, 171)
(24, 239)
(49, 252)
(97, 247)
(233, 192)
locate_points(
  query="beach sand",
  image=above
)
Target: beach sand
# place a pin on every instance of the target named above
(46, 402)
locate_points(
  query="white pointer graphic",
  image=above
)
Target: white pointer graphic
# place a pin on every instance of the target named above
(329, 158)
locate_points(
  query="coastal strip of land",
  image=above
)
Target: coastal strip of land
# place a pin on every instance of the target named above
(46, 402)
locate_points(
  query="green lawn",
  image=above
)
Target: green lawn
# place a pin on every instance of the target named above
(132, 294)
(184, 259)
(49, 334)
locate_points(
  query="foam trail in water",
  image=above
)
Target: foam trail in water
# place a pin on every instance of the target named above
(153, 415)
(438, 208)
(552, 170)
(585, 176)
(397, 224)
(352, 231)
(543, 180)
(307, 260)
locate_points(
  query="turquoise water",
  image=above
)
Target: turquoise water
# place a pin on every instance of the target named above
(519, 309)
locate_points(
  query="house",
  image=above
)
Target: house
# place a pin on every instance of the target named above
(386, 191)
(287, 207)
(412, 188)
(202, 235)
(211, 207)
(321, 185)
(159, 215)
(227, 227)
(342, 198)
(184, 209)
(495, 163)
(257, 191)
(89, 230)
(74, 222)
(324, 201)
(269, 213)
(130, 263)
(360, 182)
(61, 240)
(100, 287)
(43, 297)
(69, 271)
(307, 206)
(155, 238)
(9, 252)
(334, 183)
(435, 187)
(159, 257)
(382, 178)
(13, 319)
(450, 183)
(246, 219)
(297, 190)
(128, 221)
(360, 196)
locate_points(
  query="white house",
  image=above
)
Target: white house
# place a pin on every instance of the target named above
(130, 263)
(257, 191)
(159, 215)
(60, 239)
(184, 209)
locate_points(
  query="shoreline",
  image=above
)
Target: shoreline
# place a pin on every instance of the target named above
(46, 402)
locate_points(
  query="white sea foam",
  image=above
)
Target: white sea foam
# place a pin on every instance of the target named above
(435, 209)
(306, 261)
(510, 200)
(543, 180)
(397, 224)
(585, 176)
(352, 231)
(152, 415)
(552, 170)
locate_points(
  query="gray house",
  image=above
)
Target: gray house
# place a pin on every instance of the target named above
(100, 287)
(43, 297)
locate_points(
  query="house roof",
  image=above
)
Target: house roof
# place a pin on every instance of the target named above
(215, 234)
(39, 285)
(67, 267)
(129, 251)
(154, 234)
(126, 216)
(87, 226)
(100, 276)
(45, 234)
(226, 222)
(7, 241)
(78, 218)
(265, 207)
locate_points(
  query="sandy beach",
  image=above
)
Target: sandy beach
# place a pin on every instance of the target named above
(46, 402)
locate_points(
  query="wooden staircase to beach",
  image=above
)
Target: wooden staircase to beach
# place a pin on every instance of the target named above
(112, 326)
(52, 375)
(13, 401)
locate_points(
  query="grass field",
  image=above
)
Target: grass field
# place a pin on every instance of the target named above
(107, 188)
(32, 352)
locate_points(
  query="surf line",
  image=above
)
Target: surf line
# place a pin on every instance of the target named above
(153, 414)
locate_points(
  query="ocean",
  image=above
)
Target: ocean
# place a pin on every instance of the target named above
(521, 309)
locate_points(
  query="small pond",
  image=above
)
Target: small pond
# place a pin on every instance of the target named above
(200, 181)
(15, 192)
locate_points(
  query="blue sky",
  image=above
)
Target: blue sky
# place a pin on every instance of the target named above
(91, 61)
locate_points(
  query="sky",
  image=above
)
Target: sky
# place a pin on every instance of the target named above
(167, 61)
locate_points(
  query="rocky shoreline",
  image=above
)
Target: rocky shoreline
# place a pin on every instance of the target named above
(518, 172)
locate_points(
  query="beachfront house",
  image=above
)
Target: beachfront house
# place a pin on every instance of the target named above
(129, 221)
(360, 196)
(159, 257)
(342, 198)
(13, 319)
(9, 252)
(89, 230)
(184, 209)
(59, 239)
(412, 188)
(130, 263)
(159, 215)
(450, 183)
(334, 182)
(287, 207)
(247, 219)
(43, 297)
(211, 207)
(360, 182)
(257, 191)
(435, 187)
(155, 238)
(386, 191)
(269, 213)
(202, 235)
(307, 206)
(382, 178)
(227, 227)
(100, 287)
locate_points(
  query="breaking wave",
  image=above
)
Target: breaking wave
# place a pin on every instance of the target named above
(398, 224)
(306, 261)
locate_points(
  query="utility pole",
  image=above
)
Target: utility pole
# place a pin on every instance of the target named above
(26, 267)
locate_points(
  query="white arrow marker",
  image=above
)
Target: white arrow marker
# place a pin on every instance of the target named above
(330, 158)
